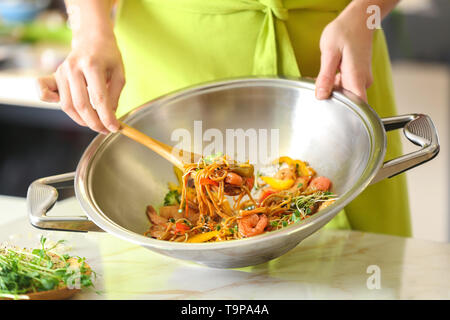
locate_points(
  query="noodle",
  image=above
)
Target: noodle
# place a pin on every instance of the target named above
(203, 212)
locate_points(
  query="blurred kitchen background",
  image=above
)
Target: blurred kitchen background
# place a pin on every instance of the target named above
(38, 140)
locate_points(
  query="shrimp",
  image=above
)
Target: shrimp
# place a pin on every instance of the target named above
(160, 221)
(300, 184)
(252, 225)
(319, 184)
(285, 174)
(154, 217)
(170, 212)
(234, 179)
(326, 204)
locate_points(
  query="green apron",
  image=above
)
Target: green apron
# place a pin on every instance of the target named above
(171, 44)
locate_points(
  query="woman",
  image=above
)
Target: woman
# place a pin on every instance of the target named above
(164, 45)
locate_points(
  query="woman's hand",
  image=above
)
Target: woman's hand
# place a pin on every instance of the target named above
(346, 48)
(89, 81)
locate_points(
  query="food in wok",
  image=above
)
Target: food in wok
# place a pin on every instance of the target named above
(217, 199)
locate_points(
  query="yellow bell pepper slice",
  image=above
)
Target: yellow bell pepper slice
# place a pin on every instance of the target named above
(278, 184)
(203, 237)
(286, 160)
(303, 168)
(178, 174)
(173, 186)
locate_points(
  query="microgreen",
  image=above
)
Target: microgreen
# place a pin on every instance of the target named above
(27, 271)
(304, 204)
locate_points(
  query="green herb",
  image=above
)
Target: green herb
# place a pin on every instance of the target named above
(212, 157)
(218, 227)
(300, 185)
(274, 224)
(172, 198)
(172, 220)
(284, 223)
(256, 185)
(24, 271)
(296, 216)
(305, 203)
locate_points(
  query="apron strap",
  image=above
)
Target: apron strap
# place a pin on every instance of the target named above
(274, 54)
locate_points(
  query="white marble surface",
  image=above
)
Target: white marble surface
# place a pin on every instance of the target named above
(327, 265)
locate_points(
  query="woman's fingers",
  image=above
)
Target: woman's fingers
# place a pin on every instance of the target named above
(353, 78)
(85, 97)
(329, 63)
(338, 80)
(356, 71)
(88, 86)
(48, 89)
(356, 84)
(65, 98)
(81, 101)
(116, 85)
(101, 98)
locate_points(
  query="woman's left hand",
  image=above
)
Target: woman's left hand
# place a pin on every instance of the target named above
(346, 56)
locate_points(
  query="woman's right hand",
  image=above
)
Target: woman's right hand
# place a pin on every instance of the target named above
(89, 81)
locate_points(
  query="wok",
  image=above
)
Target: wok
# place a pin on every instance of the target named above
(342, 138)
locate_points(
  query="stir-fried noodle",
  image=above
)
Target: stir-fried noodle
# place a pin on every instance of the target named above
(218, 199)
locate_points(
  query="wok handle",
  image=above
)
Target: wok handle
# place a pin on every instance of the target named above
(42, 196)
(420, 130)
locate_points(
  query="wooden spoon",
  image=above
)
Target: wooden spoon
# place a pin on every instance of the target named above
(169, 153)
(173, 155)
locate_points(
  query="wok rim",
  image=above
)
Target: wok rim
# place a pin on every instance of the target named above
(372, 123)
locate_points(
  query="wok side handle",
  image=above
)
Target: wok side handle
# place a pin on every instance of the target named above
(420, 130)
(42, 196)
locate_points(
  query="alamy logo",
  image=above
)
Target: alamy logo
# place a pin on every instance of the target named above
(255, 145)
(374, 20)
(74, 280)
(374, 280)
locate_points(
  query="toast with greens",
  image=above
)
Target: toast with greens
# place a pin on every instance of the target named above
(42, 274)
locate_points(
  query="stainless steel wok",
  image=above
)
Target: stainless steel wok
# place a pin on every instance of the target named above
(342, 138)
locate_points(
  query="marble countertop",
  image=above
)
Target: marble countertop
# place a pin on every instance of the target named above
(330, 264)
